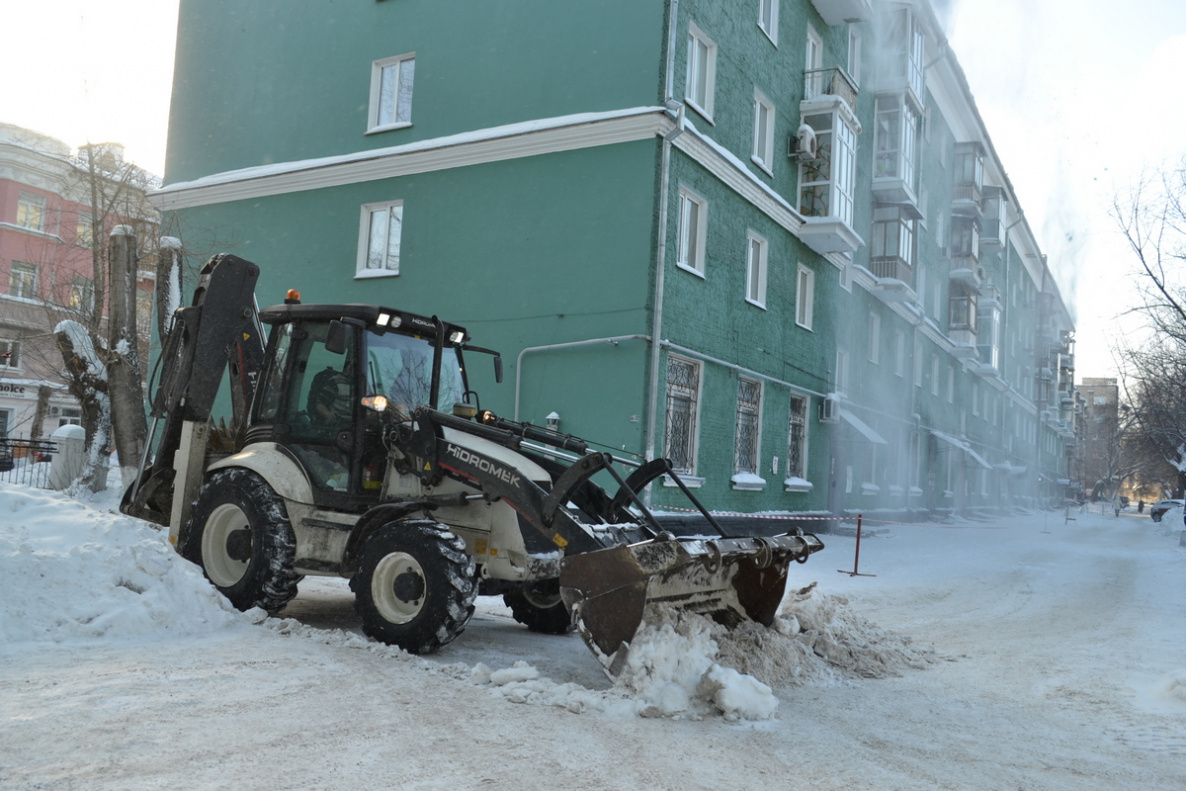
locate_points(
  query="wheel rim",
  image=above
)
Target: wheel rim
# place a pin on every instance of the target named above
(398, 587)
(227, 528)
(541, 596)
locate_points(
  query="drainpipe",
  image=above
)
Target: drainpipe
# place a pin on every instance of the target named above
(661, 249)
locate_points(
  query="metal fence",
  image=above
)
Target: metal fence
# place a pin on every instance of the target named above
(26, 461)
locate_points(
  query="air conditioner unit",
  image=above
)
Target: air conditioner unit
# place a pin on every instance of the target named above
(55, 411)
(829, 410)
(803, 145)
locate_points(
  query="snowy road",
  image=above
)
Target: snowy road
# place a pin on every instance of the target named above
(1059, 662)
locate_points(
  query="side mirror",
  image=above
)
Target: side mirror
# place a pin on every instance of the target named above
(336, 338)
(498, 369)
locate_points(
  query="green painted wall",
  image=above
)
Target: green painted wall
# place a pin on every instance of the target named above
(523, 253)
(257, 83)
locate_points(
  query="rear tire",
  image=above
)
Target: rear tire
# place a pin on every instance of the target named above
(538, 606)
(414, 585)
(238, 532)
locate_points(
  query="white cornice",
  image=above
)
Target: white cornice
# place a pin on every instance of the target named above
(532, 138)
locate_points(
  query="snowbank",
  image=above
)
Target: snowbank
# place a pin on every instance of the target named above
(71, 572)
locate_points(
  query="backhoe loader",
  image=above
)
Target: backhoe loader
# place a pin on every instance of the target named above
(358, 450)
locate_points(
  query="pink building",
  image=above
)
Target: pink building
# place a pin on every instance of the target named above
(47, 271)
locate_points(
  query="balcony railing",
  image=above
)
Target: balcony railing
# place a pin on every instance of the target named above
(966, 199)
(891, 266)
(830, 81)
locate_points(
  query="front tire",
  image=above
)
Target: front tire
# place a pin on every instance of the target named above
(238, 532)
(414, 585)
(538, 606)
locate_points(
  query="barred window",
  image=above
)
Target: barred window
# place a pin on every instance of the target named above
(797, 441)
(749, 404)
(683, 392)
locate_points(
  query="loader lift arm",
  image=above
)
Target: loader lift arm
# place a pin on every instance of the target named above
(219, 333)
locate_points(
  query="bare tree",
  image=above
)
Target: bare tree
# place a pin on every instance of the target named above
(93, 315)
(1152, 220)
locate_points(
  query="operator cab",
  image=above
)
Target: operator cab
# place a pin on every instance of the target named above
(322, 361)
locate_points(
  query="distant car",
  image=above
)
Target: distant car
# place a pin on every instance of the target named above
(1159, 509)
(6, 461)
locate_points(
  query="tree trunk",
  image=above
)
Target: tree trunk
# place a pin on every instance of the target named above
(123, 364)
(88, 383)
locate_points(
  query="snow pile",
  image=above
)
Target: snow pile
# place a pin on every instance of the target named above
(818, 639)
(1171, 688)
(70, 572)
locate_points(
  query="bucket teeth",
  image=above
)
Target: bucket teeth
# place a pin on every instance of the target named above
(731, 580)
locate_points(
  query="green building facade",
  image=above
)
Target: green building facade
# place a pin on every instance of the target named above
(768, 239)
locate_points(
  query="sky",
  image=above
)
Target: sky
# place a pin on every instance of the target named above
(1028, 652)
(1079, 100)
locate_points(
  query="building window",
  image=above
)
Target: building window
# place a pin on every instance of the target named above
(30, 211)
(976, 399)
(23, 282)
(763, 153)
(144, 305)
(749, 410)
(950, 385)
(988, 334)
(692, 230)
(874, 338)
(755, 270)
(965, 243)
(683, 397)
(379, 239)
(82, 293)
(854, 54)
(814, 58)
(895, 127)
(827, 182)
(805, 298)
(10, 353)
(934, 375)
(797, 439)
(962, 309)
(702, 68)
(899, 353)
(891, 248)
(917, 364)
(84, 232)
(391, 92)
(69, 416)
(768, 19)
(842, 370)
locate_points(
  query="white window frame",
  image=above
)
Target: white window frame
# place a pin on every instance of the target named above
(756, 254)
(763, 148)
(934, 375)
(805, 297)
(814, 54)
(874, 338)
(702, 71)
(694, 396)
(31, 211)
(800, 404)
(748, 410)
(368, 211)
(691, 231)
(842, 370)
(950, 384)
(917, 364)
(768, 19)
(399, 93)
(22, 283)
(854, 55)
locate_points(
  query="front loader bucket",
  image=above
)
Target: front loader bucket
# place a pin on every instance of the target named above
(729, 579)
